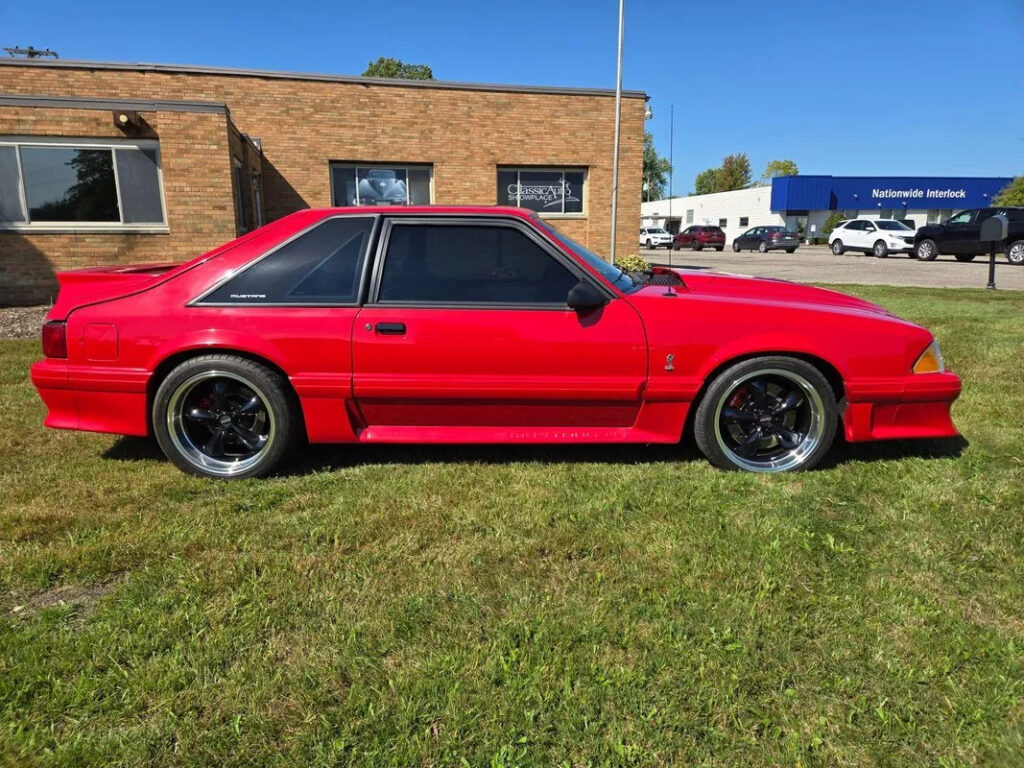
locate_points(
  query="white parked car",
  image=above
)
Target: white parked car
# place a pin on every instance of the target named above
(878, 236)
(655, 237)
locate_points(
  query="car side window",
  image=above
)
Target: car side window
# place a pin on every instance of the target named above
(321, 266)
(470, 264)
(962, 218)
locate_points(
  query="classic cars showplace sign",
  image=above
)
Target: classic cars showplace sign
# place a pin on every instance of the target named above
(544, 195)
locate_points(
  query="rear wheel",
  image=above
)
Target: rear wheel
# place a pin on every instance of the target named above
(223, 416)
(964, 257)
(720, 248)
(837, 247)
(762, 247)
(1015, 253)
(767, 414)
(791, 250)
(926, 250)
(880, 249)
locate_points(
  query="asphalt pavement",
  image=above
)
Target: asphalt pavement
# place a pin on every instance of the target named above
(817, 264)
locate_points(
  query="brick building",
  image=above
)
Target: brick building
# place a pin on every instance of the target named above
(106, 163)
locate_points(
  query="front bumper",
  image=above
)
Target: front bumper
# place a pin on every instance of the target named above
(913, 406)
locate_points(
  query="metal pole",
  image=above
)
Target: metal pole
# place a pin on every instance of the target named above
(992, 266)
(618, 118)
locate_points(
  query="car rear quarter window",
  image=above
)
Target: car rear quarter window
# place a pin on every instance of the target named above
(470, 264)
(321, 266)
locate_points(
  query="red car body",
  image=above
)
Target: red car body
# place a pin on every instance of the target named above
(628, 372)
(699, 237)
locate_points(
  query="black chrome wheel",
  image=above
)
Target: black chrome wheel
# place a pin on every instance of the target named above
(225, 416)
(768, 414)
(220, 422)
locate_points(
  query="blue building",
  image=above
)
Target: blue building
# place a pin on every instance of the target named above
(805, 202)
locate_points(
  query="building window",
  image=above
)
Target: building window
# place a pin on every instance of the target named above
(383, 184)
(544, 190)
(723, 223)
(257, 198)
(241, 201)
(744, 221)
(57, 184)
(320, 267)
(689, 215)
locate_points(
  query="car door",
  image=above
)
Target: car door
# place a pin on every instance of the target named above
(467, 326)
(686, 236)
(962, 233)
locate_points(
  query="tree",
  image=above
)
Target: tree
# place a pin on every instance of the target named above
(734, 173)
(706, 182)
(1012, 193)
(831, 223)
(656, 170)
(779, 168)
(395, 69)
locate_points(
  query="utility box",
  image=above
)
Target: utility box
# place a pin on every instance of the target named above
(995, 228)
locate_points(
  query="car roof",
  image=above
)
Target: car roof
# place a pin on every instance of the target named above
(470, 210)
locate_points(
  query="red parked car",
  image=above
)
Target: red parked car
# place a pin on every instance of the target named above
(472, 325)
(699, 237)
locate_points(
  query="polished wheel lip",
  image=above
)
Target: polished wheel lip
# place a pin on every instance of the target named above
(792, 458)
(195, 455)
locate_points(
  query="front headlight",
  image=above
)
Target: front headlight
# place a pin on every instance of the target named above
(930, 360)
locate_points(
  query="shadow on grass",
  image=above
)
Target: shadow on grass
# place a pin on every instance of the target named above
(324, 458)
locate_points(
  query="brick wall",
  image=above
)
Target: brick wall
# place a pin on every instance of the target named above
(197, 189)
(303, 125)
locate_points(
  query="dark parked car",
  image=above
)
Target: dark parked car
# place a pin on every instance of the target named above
(960, 236)
(700, 237)
(766, 239)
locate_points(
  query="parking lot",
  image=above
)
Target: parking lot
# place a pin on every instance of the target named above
(816, 264)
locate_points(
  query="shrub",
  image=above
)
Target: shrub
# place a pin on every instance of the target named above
(831, 222)
(632, 263)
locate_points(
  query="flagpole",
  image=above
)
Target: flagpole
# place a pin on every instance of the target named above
(618, 118)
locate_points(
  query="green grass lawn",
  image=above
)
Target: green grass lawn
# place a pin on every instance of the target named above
(524, 606)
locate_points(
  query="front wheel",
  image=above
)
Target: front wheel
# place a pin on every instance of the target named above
(647, 245)
(736, 247)
(964, 257)
(1015, 253)
(880, 249)
(762, 247)
(698, 245)
(791, 250)
(767, 414)
(926, 250)
(837, 247)
(224, 416)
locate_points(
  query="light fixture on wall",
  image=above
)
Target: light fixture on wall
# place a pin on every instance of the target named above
(126, 119)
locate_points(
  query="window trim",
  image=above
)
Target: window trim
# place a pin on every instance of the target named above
(562, 169)
(52, 227)
(369, 255)
(355, 165)
(574, 268)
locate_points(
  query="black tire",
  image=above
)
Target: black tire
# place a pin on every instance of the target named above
(880, 249)
(697, 245)
(720, 248)
(837, 247)
(926, 250)
(1015, 253)
(809, 424)
(647, 244)
(791, 250)
(762, 247)
(964, 257)
(225, 417)
(736, 246)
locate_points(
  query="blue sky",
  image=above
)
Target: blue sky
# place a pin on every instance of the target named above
(847, 88)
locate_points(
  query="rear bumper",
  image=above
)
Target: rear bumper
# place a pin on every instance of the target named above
(908, 407)
(92, 399)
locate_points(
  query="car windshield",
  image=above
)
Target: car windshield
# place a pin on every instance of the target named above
(610, 272)
(896, 225)
(657, 231)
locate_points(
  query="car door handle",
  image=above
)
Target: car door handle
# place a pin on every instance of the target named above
(391, 329)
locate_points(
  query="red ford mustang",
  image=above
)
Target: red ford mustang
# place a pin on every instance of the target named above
(472, 325)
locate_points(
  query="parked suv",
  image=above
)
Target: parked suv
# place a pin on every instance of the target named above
(700, 237)
(655, 237)
(878, 236)
(960, 236)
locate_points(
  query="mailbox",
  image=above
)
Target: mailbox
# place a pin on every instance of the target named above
(995, 228)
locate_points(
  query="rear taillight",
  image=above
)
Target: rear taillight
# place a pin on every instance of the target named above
(55, 339)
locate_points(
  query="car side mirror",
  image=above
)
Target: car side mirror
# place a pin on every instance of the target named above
(584, 296)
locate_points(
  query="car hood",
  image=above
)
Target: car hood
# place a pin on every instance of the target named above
(763, 289)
